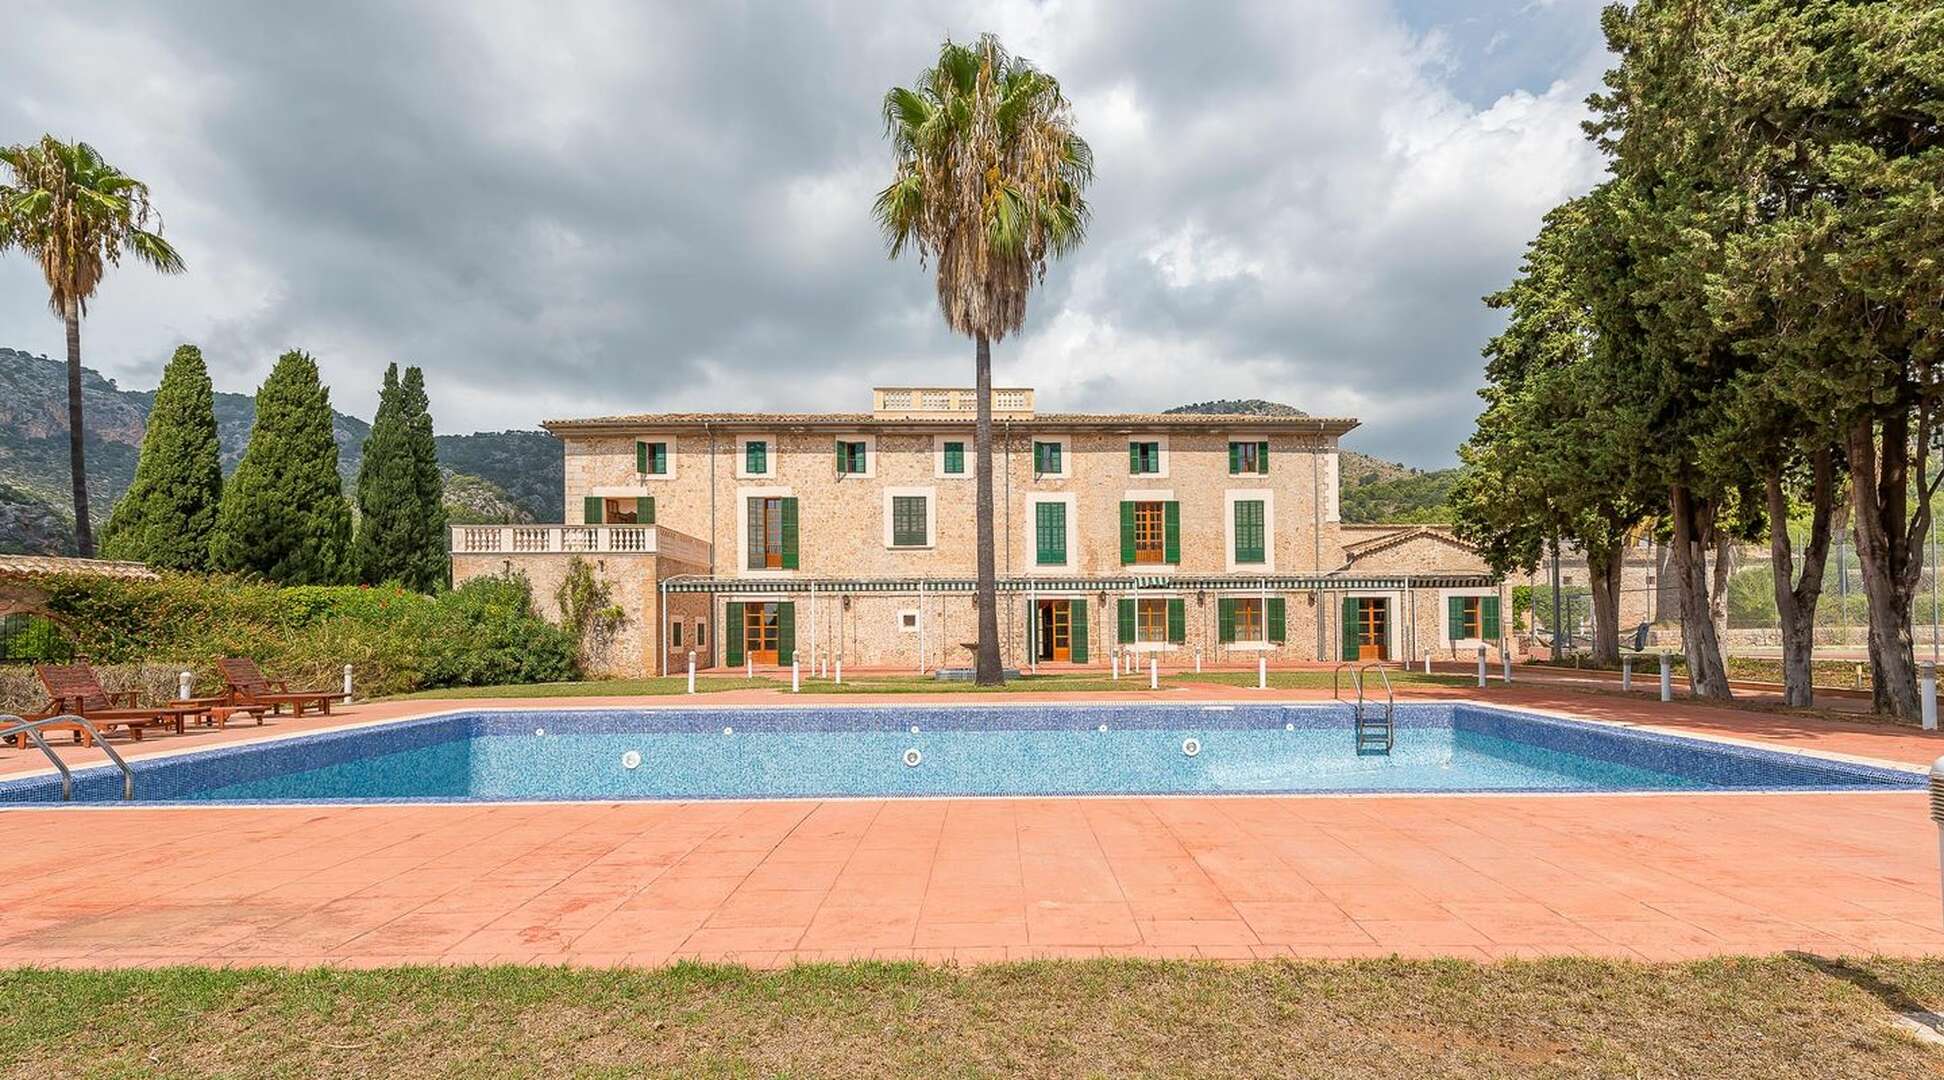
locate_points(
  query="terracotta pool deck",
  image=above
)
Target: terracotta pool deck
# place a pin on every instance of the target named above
(1643, 876)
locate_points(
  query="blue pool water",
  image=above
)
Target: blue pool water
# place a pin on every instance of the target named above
(998, 750)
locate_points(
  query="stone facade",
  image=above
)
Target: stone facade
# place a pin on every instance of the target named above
(887, 598)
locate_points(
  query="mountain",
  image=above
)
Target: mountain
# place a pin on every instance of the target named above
(1371, 490)
(491, 476)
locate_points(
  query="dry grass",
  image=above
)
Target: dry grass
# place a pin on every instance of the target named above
(1782, 1016)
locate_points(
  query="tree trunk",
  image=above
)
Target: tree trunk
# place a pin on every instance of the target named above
(1885, 548)
(1795, 600)
(1603, 572)
(77, 454)
(1693, 536)
(988, 670)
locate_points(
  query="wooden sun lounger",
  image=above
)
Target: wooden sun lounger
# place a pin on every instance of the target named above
(74, 688)
(248, 688)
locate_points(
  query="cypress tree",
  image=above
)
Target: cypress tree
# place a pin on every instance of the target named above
(429, 559)
(169, 512)
(284, 514)
(401, 512)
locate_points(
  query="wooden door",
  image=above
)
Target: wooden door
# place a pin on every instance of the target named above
(1373, 629)
(761, 633)
(1059, 635)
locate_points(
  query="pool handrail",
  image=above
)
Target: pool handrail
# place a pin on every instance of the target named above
(12, 724)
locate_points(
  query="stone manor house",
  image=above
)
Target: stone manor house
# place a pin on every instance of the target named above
(762, 538)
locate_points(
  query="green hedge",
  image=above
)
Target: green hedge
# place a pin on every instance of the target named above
(482, 633)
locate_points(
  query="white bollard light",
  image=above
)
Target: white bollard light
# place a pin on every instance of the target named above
(1427, 663)
(796, 675)
(1927, 686)
(840, 671)
(1667, 676)
(1937, 806)
(1481, 667)
(749, 666)
(1262, 673)
(1626, 673)
(1198, 659)
(1154, 673)
(185, 686)
(1505, 664)
(347, 682)
(691, 672)
(1116, 659)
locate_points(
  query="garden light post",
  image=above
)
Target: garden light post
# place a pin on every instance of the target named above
(1626, 672)
(1481, 667)
(184, 683)
(691, 671)
(1927, 688)
(347, 682)
(1667, 676)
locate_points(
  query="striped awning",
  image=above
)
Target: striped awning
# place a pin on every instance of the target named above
(1117, 584)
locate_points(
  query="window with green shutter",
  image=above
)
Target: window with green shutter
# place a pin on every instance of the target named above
(651, 458)
(1125, 623)
(954, 459)
(1143, 457)
(1046, 458)
(1248, 457)
(756, 457)
(1225, 620)
(1077, 614)
(1249, 546)
(1177, 621)
(772, 536)
(851, 460)
(1351, 628)
(1050, 533)
(1171, 533)
(1489, 618)
(908, 527)
(732, 637)
(591, 509)
(1278, 620)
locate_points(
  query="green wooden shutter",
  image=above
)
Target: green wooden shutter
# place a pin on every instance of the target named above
(641, 456)
(732, 636)
(1455, 618)
(1049, 529)
(1250, 531)
(1235, 458)
(1262, 456)
(1127, 532)
(789, 534)
(591, 507)
(645, 510)
(1039, 457)
(1177, 621)
(1126, 620)
(843, 458)
(1077, 611)
(1352, 627)
(1171, 533)
(1133, 457)
(785, 632)
(1489, 616)
(1225, 620)
(1278, 620)
(954, 457)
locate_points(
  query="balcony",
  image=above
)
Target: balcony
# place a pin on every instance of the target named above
(578, 539)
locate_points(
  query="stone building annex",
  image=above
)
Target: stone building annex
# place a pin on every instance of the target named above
(756, 539)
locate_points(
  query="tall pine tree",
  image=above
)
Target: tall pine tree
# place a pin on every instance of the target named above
(169, 512)
(284, 514)
(401, 512)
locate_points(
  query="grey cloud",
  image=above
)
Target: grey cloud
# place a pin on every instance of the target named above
(633, 207)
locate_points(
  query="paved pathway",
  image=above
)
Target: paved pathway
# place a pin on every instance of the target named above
(1653, 876)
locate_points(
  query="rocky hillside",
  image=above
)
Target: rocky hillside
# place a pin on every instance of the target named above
(1374, 490)
(492, 476)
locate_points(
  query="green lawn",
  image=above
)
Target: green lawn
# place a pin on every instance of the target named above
(673, 684)
(1782, 1016)
(913, 684)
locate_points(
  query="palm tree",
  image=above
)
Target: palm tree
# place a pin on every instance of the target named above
(986, 186)
(77, 214)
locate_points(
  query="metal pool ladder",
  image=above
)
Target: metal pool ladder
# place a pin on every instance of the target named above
(1375, 735)
(11, 725)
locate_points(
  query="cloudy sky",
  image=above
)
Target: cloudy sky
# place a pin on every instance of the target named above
(578, 208)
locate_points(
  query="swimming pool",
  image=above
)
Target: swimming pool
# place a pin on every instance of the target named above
(891, 751)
